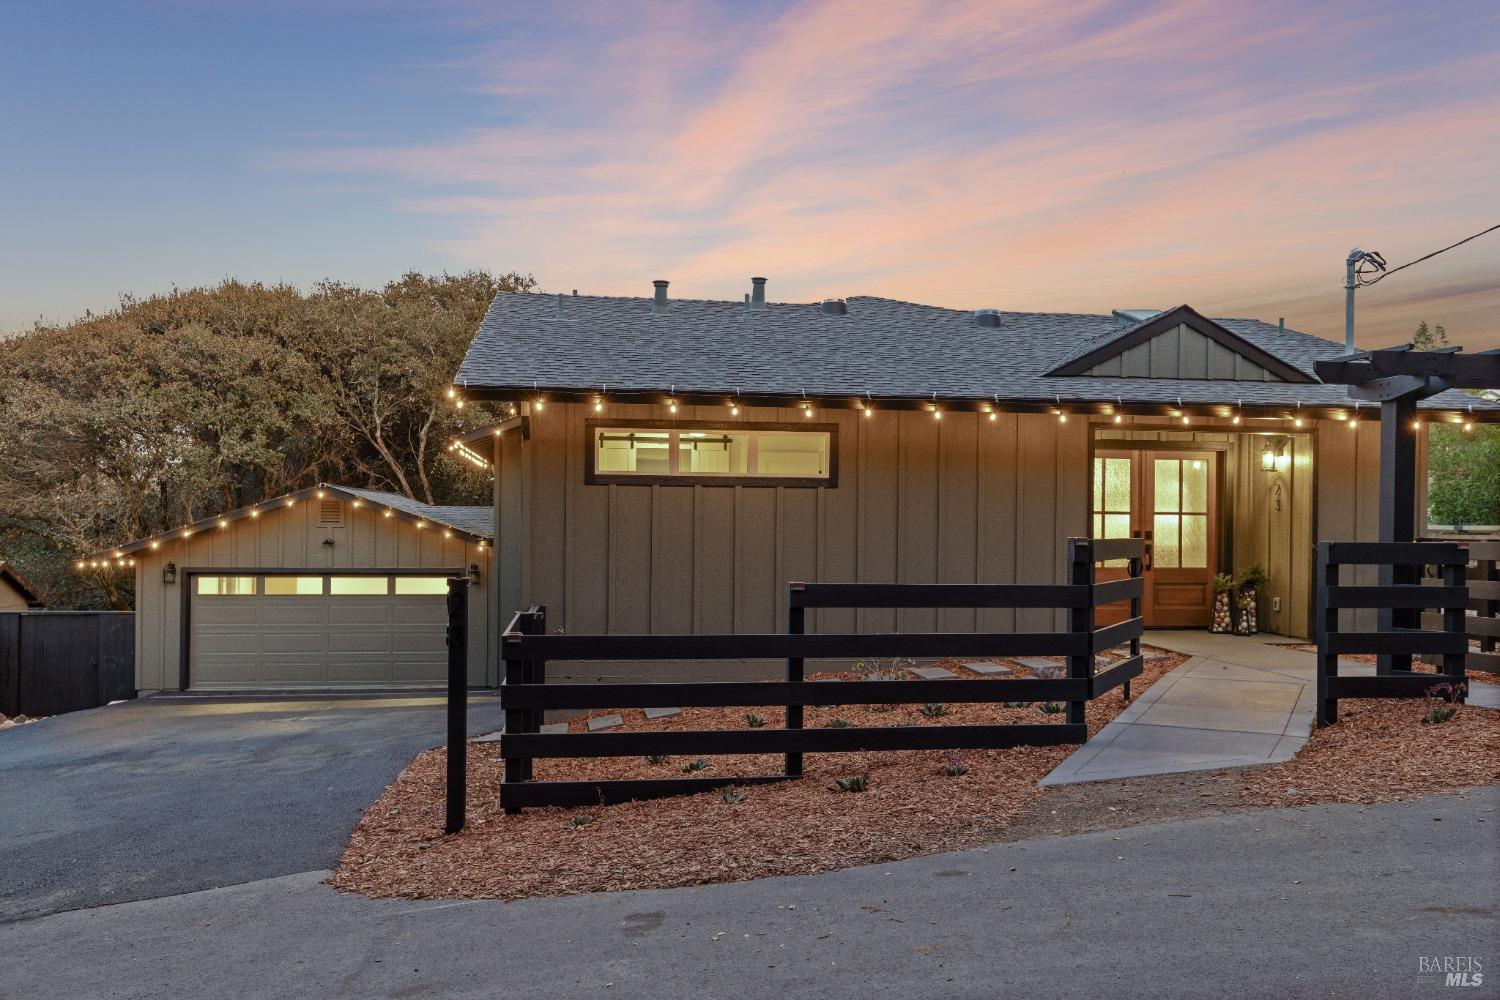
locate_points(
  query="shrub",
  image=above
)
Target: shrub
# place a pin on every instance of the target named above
(733, 797)
(754, 721)
(1050, 707)
(953, 764)
(1442, 702)
(858, 783)
(656, 758)
(577, 821)
(934, 710)
(698, 764)
(838, 724)
(1017, 704)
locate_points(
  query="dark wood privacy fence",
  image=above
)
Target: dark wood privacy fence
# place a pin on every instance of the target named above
(1446, 643)
(63, 661)
(1483, 626)
(526, 695)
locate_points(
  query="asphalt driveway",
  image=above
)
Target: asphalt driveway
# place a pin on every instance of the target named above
(164, 796)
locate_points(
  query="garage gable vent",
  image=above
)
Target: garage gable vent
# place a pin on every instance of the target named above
(330, 512)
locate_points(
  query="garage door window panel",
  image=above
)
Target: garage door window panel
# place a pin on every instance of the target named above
(226, 586)
(359, 586)
(420, 586)
(294, 586)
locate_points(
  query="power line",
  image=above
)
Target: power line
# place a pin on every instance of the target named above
(1387, 274)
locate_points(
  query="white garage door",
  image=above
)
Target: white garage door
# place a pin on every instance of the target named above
(329, 630)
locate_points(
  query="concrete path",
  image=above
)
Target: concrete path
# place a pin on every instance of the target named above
(1239, 700)
(1321, 901)
(170, 795)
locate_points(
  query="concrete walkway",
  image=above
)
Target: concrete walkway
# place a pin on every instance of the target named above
(1239, 700)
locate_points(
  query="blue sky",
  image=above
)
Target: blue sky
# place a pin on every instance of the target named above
(1071, 154)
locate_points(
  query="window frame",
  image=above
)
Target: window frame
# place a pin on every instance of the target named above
(592, 477)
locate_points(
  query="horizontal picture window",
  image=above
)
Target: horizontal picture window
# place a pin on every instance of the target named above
(359, 586)
(226, 586)
(294, 586)
(691, 451)
(417, 586)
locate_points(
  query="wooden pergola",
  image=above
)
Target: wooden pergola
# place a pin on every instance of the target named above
(1398, 378)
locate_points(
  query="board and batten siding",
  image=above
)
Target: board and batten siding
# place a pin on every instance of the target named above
(12, 599)
(1182, 352)
(291, 538)
(958, 500)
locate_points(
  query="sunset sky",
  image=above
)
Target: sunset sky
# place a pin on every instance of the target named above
(1062, 155)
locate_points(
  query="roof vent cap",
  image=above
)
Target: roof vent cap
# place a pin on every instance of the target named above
(757, 293)
(833, 307)
(659, 301)
(987, 317)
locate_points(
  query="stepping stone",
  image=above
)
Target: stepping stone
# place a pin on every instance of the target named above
(1105, 658)
(1041, 667)
(662, 713)
(555, 727)
(988, 669)
(605, 722)
(933, 673)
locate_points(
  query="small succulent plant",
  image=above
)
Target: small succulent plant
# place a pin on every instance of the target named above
(1442, 702)
(953, 764)
(733, 797)
(577, 821)
(1016, 704)
(755, 721)
(1051, 707)
(935, 710)
(697, 764)
(858, 783)
(838, 724)
(656, 758)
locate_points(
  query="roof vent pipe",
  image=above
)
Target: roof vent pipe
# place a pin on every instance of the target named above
(833, 307)
(986, 317)
(757, 293)
(659, 304)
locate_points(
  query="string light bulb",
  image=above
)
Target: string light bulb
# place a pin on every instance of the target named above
(734, 409)
(155, 545)
(538, 405)
(869, 411)
(599, 404)
(672, 405)
(1416, 425)
(390, 513)
(223, 523)
(937, 414)
(994, 415)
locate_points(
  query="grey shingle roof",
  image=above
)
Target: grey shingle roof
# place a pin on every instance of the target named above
(883, 347)
(472, 520)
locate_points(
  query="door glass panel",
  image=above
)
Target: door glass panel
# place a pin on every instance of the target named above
(1116, 526)
(1167, 551)
(1117, 484)
(1167, 495)
(1194, 553)
(1195, 486)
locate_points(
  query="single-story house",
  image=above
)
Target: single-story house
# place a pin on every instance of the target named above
(325, 587)
(15, 593)
(674, 463)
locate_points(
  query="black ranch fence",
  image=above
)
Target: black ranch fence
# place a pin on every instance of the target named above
(1401, 604)
(1483, 623)
(53, 662)
(526, 695)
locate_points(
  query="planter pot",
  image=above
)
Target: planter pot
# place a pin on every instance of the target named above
(1223, 616)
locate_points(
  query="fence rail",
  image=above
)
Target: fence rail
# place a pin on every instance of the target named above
(1445, 642)
(1483, 626)
(526, 695)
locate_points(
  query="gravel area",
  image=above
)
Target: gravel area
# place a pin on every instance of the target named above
(911, 807)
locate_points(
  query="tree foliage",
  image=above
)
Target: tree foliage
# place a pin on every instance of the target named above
(176, 407)
(1463, 467)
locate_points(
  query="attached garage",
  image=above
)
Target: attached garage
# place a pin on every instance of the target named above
(329, 588)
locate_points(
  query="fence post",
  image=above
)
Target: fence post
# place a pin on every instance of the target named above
(519, 670)
(1081, 623)
(536, 673)
(796, 624)
(1488, 571)
(1326, 621)
(1455, 620)
(458, 703)
(1136, 568)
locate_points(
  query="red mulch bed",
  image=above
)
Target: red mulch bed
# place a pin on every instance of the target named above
(1381, 751)
(794, 828)
(1418, 666)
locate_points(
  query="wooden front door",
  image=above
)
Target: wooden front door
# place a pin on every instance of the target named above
(1169, 497)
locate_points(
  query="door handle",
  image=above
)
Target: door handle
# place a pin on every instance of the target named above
(1146, 554)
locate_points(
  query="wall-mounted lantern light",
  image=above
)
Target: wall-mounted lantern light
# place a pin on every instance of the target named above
(169, 573)
(1270, 453)
(474, 574)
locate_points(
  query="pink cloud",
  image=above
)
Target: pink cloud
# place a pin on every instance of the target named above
(1071, 155)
